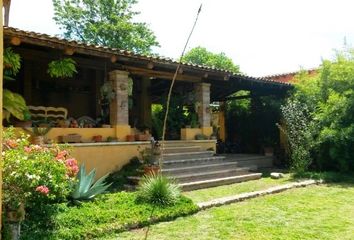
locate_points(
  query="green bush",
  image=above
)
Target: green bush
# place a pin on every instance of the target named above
(297, 129)
(108, 213)
(329, 98)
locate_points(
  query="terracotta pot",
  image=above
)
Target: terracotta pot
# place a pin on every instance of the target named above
(151, 169)
(142, 137)
(97, 138)
(130, 138)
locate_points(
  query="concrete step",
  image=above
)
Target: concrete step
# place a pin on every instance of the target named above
(199, 176)
(187, 155)
(181, 149)
(212, 166)
(192, 161)
(189, 186)
(245, 160)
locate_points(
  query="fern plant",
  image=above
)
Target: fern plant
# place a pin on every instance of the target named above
(86, 188)
(12, 63)
(62, 68)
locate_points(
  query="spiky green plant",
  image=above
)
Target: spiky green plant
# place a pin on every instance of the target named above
(86, 188)
(158, 190)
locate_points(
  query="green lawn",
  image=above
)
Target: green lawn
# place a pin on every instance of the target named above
(316, 212)
(207, 194)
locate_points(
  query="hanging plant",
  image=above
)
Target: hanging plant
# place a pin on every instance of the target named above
(12, 63)
(63, 68)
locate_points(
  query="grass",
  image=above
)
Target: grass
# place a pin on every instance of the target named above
(107, 214)
(316, 212)
(233, 189)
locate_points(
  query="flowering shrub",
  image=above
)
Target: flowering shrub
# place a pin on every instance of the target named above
(35, 174)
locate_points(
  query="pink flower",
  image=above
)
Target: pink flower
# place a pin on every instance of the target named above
(11, 143)
(71, 165)
(61, 155)
(27, 149)
(42, 189)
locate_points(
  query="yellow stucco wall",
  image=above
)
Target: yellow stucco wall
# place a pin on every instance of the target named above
(109, 157)
(189, 133)
(119, 131)
(106, 157)
(86, 133)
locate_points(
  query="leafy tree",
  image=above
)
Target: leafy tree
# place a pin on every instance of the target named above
(201, 56)
(329, 98)
(104, 22)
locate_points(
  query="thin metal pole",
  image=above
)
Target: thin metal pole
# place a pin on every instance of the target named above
(171, 87)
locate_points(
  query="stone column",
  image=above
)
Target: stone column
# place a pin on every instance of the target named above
(119, 107)
(202, 91)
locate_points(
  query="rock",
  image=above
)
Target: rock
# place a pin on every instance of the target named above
(275, 175)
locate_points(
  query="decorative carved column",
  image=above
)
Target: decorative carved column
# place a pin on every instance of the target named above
(119, 107)
(202, 91)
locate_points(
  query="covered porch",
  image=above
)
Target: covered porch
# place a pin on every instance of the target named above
(136, 81)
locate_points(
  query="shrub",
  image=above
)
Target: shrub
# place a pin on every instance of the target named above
(158, 190)
(35, 174)
(297, 129)
(329, 98)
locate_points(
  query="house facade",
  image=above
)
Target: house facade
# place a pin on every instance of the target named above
(150, 76)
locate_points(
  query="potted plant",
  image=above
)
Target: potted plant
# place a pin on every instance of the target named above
(38, 134)
(13, 103)
(62, 68)
(149, 157)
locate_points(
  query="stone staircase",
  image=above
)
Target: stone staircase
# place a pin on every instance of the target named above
(194, 168)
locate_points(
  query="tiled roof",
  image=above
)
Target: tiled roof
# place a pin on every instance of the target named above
(288, 74)
(51, 41)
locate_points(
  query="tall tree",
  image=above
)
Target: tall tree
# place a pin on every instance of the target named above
(104, 22)
(201, 56)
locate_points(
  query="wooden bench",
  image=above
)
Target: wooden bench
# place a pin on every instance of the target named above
(54, 113)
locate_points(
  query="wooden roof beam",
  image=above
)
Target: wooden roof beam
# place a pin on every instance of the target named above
(160, 74)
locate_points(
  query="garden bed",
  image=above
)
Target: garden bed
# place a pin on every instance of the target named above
(109, 213)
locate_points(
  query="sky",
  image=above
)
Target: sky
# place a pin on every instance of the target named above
(262, 37)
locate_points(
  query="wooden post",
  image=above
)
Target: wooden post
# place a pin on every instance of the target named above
(222, 129)
(1, 92)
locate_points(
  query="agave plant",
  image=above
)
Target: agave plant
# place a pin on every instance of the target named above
(86, 188)
(158, 190)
